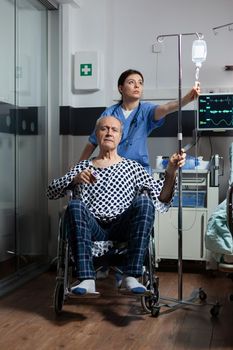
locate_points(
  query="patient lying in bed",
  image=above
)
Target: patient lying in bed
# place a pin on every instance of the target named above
(218, 238)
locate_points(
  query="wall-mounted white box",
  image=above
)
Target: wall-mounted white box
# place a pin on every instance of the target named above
(87, 70)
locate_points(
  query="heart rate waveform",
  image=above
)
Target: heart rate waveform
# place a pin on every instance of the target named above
(215, 112)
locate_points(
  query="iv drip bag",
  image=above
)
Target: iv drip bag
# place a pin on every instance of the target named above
(199, 52)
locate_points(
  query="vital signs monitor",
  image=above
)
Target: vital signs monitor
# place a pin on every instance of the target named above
(215, 112)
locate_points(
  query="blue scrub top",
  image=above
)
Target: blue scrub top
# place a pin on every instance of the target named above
(136, 129)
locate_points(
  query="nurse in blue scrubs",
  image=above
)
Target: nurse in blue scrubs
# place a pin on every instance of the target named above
(138, 119)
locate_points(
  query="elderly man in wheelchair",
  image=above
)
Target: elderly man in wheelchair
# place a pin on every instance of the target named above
(108, 206)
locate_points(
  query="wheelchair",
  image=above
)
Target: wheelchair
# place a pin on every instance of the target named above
(65, 271)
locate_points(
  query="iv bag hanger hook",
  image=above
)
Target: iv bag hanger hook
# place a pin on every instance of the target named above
(228, 25)
(160, 38)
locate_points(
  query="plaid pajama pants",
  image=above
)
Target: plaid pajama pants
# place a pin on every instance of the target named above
(133, 226)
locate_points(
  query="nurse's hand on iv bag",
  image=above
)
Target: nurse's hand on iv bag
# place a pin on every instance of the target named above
(192, 94)
(197, 86)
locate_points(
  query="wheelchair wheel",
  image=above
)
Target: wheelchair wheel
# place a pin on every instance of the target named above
(150, 301)
(58, 299)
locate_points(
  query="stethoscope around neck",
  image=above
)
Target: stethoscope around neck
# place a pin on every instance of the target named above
(132, 127)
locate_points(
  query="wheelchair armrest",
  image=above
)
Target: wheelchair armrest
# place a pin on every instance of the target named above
(69, 194)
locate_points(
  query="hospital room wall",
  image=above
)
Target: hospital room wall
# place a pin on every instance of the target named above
(124, 31)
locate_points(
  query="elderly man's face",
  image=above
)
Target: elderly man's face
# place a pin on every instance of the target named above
(108, 133)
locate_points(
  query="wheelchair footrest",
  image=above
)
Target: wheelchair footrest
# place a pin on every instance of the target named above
(125, 291)
(84, 296)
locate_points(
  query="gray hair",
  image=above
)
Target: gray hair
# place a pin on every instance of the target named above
(105, 116)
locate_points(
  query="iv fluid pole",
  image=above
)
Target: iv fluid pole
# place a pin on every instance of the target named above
(198, 57)
(160, 38)
(180, 220)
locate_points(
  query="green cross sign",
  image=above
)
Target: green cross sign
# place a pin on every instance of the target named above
(85, 69)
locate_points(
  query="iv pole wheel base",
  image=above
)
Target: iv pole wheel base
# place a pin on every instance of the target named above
(215, 310)
(202, 294)
(155, 311)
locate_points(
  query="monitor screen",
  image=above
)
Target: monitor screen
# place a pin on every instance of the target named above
(215, 112)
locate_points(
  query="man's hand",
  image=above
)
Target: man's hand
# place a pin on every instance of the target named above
(86, 176)
(176, 161)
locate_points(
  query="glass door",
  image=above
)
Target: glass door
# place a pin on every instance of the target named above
(7, 140)
(23, 136)
(31, 136)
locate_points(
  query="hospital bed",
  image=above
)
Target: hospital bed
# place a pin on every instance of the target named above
(219, 235)
(227, 261)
